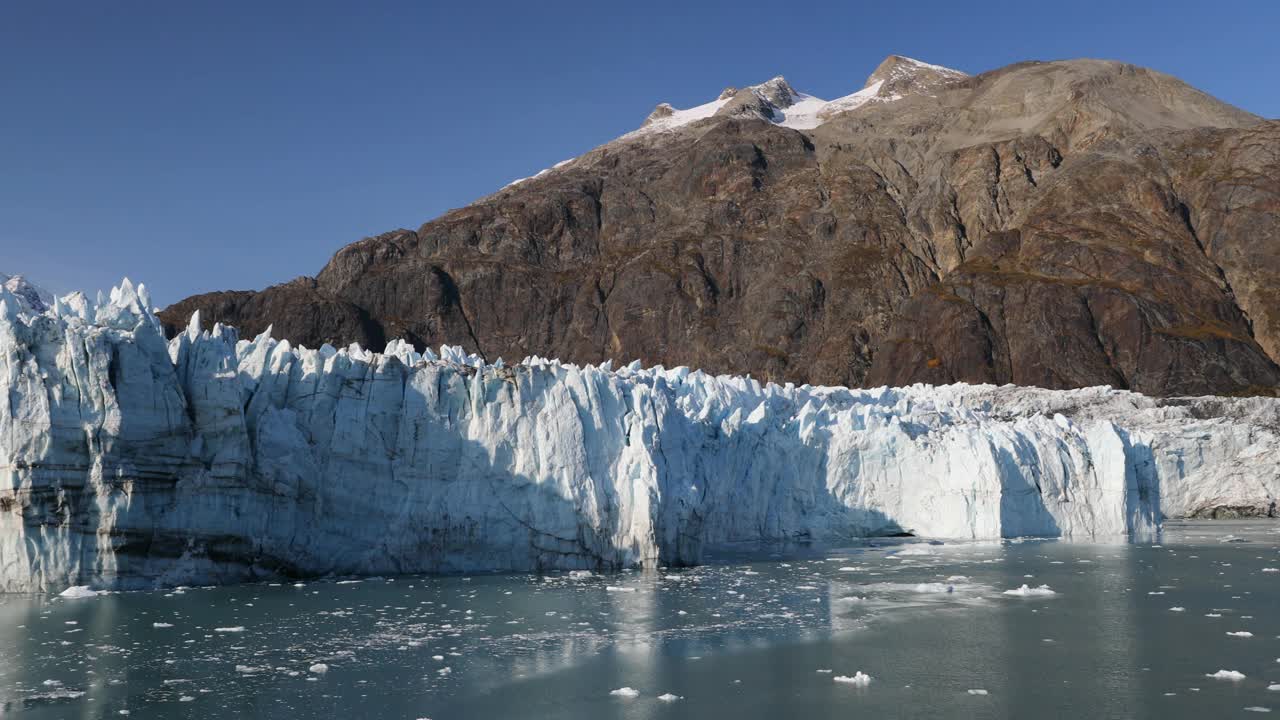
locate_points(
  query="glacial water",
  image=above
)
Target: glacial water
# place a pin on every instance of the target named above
(759, 634)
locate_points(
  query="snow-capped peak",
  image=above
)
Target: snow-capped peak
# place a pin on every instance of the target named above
(898, 74)
(776, 91)
(776, 101)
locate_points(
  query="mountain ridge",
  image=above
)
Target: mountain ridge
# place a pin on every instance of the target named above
(1056, 224)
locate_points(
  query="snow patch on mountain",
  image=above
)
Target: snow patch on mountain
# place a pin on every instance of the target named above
(812, 111)
(781, 104)
(665, 117)
(777, 102)
(538, 174)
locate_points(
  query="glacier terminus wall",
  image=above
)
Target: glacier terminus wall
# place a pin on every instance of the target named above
(127, 460)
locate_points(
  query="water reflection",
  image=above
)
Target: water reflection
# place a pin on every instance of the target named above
(743, 639)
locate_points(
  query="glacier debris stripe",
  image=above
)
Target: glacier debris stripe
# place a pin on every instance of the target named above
(128, 461)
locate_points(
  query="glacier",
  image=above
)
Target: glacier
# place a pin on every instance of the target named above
(131, 461)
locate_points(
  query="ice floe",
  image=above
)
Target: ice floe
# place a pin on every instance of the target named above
(1028, 591)
(858, 679)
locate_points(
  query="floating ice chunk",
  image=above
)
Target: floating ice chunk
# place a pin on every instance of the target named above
(615, 588)
(580, 574)
(825, 671)
(161, 625)
(1177, 608)
(625, 692)
(670, 697)
(1241, 634)
(934, 588)
(1274, 687)
(59, 695)
(859, 679)
(1232, 675)
(1026, 591)
(236, 629)
(1257, 708)
(1270, 570)
(76, 592)
(977, 691)
(319, 668)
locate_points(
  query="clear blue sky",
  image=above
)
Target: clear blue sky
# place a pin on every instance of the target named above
(214, 145)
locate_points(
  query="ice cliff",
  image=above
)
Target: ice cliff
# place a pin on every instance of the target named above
(127, 460)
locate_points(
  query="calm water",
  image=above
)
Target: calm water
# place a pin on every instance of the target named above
(759, 638)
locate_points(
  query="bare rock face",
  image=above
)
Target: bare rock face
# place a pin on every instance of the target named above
(1056, 224)
(296, 309)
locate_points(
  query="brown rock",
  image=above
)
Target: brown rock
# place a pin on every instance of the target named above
(1055, 224)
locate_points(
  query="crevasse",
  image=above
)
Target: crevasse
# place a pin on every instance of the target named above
(129, 461)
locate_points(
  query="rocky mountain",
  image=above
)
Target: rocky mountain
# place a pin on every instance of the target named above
(1058, 224)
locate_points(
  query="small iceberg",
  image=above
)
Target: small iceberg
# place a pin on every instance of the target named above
(625, 692)
(1027, 591)
(859, 679)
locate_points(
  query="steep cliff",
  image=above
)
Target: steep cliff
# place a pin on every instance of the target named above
(126, 460)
